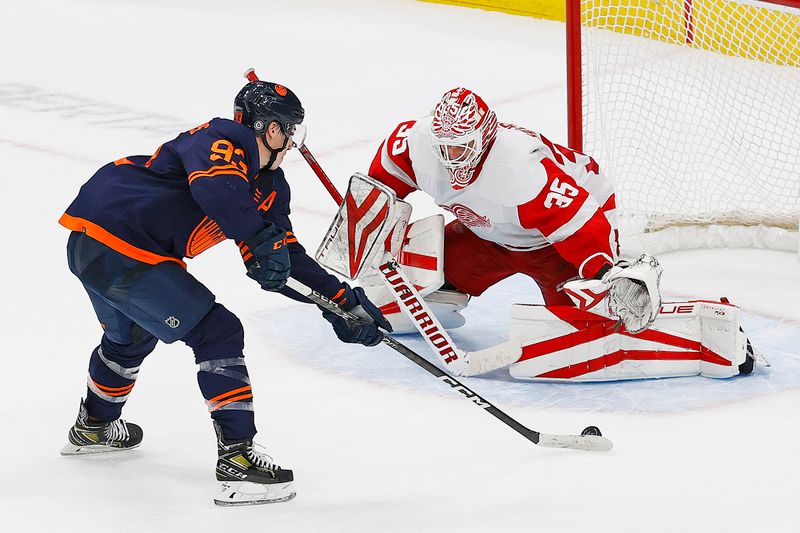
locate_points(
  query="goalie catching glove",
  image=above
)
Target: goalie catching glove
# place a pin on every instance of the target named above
(629, 291)
(364, 330)
(633, 296)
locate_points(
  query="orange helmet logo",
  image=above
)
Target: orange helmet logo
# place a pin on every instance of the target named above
(281, 90)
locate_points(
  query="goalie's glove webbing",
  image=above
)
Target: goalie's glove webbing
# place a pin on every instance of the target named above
(634, 296)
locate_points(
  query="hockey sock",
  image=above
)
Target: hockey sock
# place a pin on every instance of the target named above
(218, 343)
(113, 369)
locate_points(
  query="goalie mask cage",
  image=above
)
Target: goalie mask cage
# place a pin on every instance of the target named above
(692, 107)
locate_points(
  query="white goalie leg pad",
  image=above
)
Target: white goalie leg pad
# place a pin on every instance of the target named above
(420, 252)
(686, 339)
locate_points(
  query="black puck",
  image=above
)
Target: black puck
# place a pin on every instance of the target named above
(592, 430)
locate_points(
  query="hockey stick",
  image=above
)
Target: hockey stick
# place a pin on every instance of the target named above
(460, 362)
(315, 166)
(251, 75)
(588, 442)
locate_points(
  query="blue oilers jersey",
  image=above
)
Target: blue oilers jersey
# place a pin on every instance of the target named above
(192, 193)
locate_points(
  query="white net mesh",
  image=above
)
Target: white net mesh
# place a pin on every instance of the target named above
(693, 108)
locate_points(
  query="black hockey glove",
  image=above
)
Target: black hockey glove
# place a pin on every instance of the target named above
(363, 331)
(269, 264)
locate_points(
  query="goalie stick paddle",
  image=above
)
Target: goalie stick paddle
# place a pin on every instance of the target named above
(593, 443)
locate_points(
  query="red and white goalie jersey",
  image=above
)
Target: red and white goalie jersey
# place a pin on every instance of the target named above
(522, 192)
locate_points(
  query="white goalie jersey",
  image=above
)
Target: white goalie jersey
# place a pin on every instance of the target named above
(526, 194)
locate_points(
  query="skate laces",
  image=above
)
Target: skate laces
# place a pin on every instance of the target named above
(259, 458)
(117, 431)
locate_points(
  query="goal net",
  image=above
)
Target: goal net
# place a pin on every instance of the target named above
(693, 108)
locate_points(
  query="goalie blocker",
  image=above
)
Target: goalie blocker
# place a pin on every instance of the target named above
(372, 223)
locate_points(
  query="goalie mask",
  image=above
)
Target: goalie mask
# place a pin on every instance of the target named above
(462, 131)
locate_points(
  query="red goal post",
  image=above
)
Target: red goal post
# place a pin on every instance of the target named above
(693, 108)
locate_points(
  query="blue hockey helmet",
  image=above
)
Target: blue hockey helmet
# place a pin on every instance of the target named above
(260, 103)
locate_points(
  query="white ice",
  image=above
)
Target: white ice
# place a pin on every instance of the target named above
(376, 443)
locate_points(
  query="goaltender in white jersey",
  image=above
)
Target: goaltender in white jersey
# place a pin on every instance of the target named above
(526, 194)
(525, 205)
(522, 203)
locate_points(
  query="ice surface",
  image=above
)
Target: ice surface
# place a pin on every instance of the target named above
(488, 321)
(376, 443)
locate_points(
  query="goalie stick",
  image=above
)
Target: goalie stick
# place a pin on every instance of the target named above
(586, 442)
(590, 438)
(457, 361)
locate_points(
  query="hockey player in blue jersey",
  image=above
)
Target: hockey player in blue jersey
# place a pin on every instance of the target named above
(135, 221)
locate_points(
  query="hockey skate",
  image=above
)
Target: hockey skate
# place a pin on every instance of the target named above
(86, 437)
(249, 477)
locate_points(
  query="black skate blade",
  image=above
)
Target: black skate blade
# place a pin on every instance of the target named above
(94, 449)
